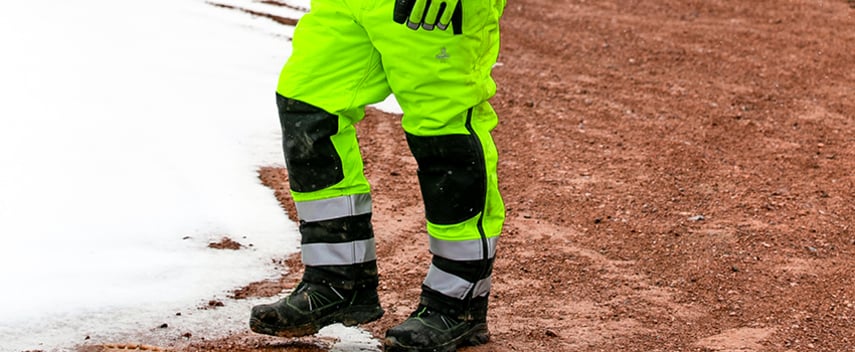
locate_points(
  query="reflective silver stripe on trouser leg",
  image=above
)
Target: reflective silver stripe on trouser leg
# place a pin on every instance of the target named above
(470, 250)
(347, 253)
(334, 208)
(464, 250)
(338, 241)
(342, 253)
(454, 286)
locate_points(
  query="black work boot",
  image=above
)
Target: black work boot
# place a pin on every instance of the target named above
(430, 330)
(312, 306)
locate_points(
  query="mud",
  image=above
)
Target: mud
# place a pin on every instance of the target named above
(677, 174)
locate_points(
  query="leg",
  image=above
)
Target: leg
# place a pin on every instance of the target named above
(333, 72)
(443, 82)
(464, 210)
(340, 280)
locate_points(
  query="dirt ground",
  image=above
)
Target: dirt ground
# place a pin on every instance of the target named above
(678, 177)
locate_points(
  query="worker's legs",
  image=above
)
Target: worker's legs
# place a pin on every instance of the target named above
(333, 73)
(442, 82)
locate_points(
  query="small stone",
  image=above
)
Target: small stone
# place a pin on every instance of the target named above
(697, 218)
(164, 326)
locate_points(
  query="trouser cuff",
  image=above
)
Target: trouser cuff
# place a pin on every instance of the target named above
(348, 277)
(474, 309)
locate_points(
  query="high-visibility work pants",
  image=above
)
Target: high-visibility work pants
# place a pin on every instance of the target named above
(348, 54)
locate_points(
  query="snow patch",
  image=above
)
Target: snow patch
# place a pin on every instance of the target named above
(130, 138)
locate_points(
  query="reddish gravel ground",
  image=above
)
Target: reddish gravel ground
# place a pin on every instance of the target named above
(678, 177)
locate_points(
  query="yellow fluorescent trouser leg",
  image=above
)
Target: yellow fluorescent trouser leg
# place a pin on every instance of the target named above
(349, 53)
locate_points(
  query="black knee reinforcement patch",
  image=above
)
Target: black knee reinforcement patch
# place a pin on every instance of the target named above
(452, 176)
(312, 161)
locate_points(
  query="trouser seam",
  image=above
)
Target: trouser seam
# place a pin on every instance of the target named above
(365, 76)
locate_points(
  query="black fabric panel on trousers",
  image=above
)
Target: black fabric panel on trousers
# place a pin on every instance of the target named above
(474, 309)
(451, 176)
(312, 161)
(472, 271)
(442, 303)
(348, 277)
(348, 229)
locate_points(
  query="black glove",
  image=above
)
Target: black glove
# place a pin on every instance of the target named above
(429, 14)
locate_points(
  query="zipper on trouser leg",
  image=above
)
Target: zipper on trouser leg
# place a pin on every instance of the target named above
(487, 261)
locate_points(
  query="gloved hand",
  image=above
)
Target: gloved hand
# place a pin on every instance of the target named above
(428, 13)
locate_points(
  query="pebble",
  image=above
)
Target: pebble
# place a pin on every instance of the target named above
(697, 218)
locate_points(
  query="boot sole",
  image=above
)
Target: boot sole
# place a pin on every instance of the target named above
(349, 317)
(477, 335)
